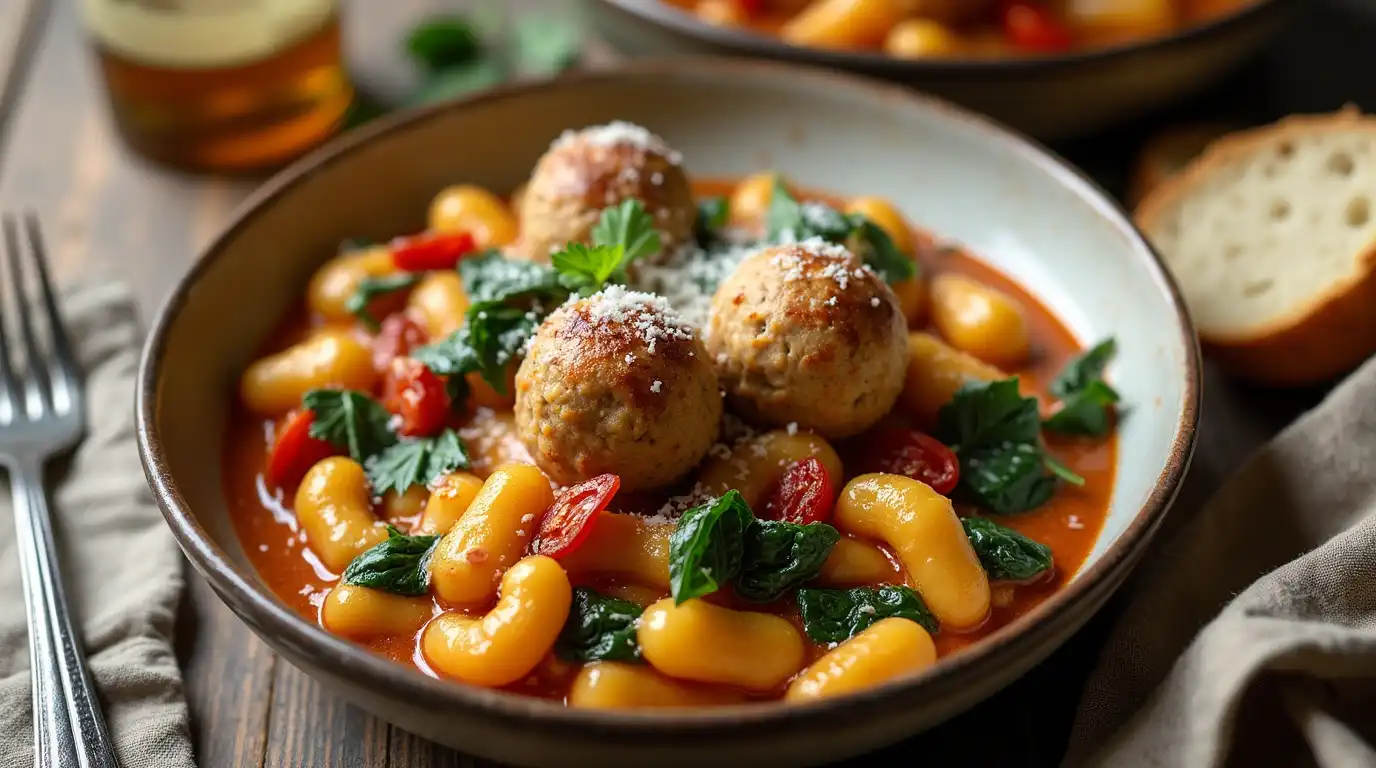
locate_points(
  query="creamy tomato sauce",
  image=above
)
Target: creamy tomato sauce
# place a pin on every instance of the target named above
(1069, 523)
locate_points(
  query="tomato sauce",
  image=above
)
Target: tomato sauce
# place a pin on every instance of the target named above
(1069, 523)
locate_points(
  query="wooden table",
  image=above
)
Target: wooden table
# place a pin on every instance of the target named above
(107, 212)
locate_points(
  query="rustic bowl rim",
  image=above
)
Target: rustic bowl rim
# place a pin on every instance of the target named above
(746, 42)
(266, 614)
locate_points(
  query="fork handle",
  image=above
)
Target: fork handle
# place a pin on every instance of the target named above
(71, 734)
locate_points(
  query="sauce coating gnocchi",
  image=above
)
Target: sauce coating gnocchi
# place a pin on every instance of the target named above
(464, 559)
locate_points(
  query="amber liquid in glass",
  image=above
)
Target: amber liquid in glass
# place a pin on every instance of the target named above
(239, 117)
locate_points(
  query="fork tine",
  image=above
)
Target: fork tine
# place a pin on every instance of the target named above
(10, 403)
(67, 381)
(36, 393)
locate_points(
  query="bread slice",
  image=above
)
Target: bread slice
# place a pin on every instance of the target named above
(1169, 152)
(1271, 234)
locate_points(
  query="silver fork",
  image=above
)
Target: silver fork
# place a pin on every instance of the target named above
(42, 415)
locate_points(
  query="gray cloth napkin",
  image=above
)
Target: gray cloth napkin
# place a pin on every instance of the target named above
(1250, 638)
(121, 565)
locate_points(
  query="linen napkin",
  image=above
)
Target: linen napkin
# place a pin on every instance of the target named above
(1250, 638)
(120, 564)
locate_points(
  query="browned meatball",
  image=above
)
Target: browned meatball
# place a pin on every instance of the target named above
(618, 383)
(595, 168)
(804, 333)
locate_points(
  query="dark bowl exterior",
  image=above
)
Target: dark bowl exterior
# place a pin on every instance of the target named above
(376, 181)
(1053, 98)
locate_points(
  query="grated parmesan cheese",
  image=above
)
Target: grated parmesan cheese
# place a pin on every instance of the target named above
(655, 387)
(616, 133)
(648, 314)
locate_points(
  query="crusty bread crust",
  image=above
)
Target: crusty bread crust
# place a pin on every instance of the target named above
(1314, 342)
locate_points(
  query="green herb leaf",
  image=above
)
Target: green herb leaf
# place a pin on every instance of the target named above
(1086, 412)
(599, 628)
(996, 434)
(459, 80)
(417, 461)
(706, 549)
(836, 615)
(781, 556)
(586, 268)
(443, 42)
(714, 213)
(986, 414)
(1084, 370)
(545, 45)
(350, 420)
(1006, 554)
(491, 338)
(491, 277)
(789, 220)
(399, 565)
(1062, 471)
(877, 249)
(629, 226)
(372, 287)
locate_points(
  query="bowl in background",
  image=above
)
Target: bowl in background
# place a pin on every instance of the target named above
(1051, 97)
(1019, 208)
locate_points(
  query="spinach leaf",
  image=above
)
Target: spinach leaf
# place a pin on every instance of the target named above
(1009, 481)
(370, 288)
(1085, 412)
(350, 420)
(877, 249)
(996, 434)
(400, 565)
(491, 337)
(781, 556)
(1086, 400)
(790, 221)
(443, 42)
(416, 462)
(714, 213)
(1006, 554)
(491, 277)
(599, 628)
(707, 547)
(1085, 369)
(836, 615)
(985, 414)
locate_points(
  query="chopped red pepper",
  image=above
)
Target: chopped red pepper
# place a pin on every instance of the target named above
(417, 395)
(803, 494)
(915, 454)
(397, 337)
(294, 451)
(570, 519)
(431, 250)
(1031, 26)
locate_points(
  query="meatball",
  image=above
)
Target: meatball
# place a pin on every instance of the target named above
(805, 333)
(595, 168)
(618, 383)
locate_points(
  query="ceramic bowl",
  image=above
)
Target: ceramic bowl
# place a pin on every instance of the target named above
(1054, 97)
(1022, 209)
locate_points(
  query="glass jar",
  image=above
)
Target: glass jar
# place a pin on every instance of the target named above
(226, 85)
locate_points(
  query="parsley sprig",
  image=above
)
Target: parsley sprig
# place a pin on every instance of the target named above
(511, 297)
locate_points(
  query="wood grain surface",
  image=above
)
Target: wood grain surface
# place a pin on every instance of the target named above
(110, 215)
